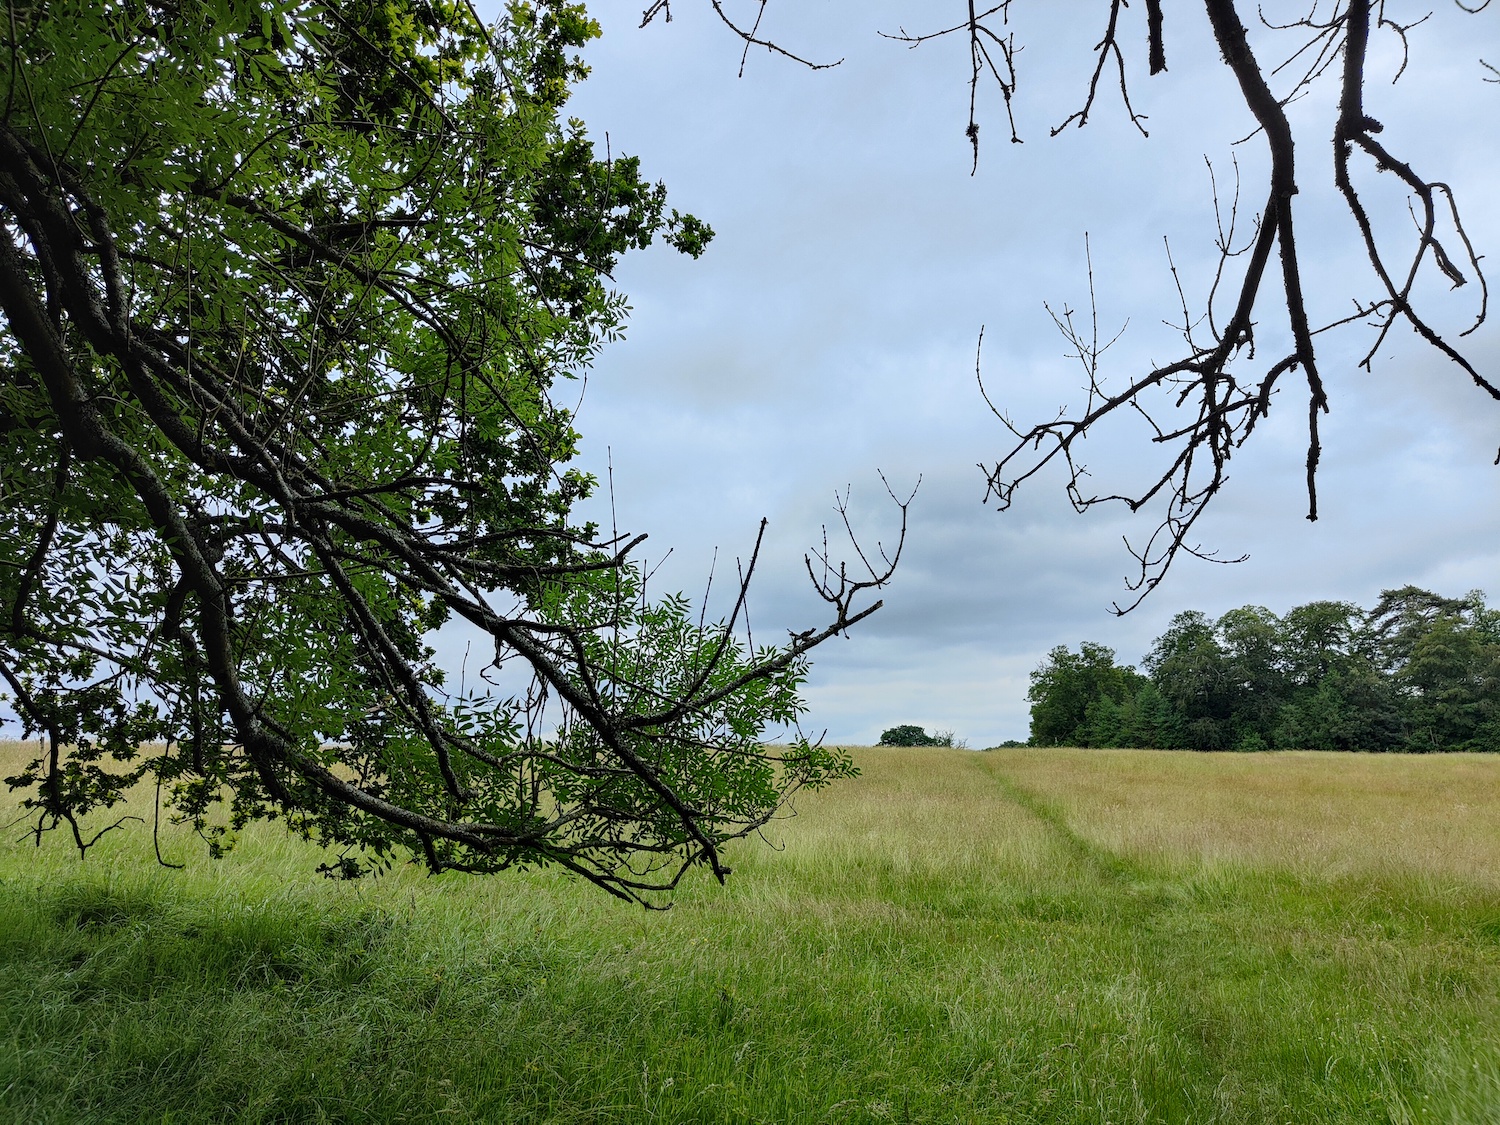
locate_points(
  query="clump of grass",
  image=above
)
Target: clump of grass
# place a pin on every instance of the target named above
(952, 937)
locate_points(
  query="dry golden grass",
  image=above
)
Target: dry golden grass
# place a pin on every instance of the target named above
(1433, 815)
(917, 809)
(14, 755)
(924, 812)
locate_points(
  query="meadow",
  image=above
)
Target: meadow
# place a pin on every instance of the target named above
(1014, 936)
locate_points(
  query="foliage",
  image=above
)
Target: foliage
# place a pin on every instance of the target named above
(1065, 686)
(1418, 672)
(909, 735)
(287, 287)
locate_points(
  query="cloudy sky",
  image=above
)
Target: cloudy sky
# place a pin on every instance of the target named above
(829, 335)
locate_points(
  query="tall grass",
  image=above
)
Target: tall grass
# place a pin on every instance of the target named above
(954, 937)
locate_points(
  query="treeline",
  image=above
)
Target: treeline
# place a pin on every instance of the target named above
(1419, 672)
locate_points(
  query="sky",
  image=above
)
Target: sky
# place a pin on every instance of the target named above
(826, 341)
(828, 336)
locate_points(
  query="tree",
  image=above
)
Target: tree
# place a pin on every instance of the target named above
(287, 287)
(908, 734)
(1067, 684)
(1319, 639)
(1420, 672)
(905, 734)
(1258, 326)
(1453, 676)
(1190, 669)
(1253, 639)
(1353, 707)
(1403, 617)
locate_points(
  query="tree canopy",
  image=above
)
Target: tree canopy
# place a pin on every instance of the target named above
(909, 734)
(1418, 672)
(288, 289)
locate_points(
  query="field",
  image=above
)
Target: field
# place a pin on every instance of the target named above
(1018, 936)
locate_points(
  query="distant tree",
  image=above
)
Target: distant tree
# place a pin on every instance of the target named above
(287, 286)
(1103, 724)
(1254, 644)
(1337, 699)
(1149, 720)
(1191, 670)
(904, 735)
(1440, 654)
(909, 735)
(1352, 707)
(1066, 684)
(1320, 638)
(1402, 617)
(1420, 672)
(1454, 677)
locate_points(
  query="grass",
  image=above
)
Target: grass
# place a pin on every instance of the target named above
(1024, 936)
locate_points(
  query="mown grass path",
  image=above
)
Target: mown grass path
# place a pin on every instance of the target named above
(954, 937)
